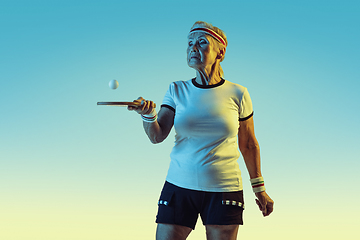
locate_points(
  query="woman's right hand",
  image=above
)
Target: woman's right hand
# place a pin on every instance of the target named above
(146, 106)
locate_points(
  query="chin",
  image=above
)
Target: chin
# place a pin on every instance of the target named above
(194, 65)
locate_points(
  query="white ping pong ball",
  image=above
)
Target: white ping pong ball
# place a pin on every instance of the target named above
(113, 84)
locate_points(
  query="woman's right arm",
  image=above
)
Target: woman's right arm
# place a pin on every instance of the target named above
(157, 131)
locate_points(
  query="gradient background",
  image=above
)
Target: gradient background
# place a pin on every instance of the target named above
(72, 170)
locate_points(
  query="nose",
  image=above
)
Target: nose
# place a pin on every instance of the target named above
(193, 48)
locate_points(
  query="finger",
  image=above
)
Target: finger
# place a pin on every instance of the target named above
(264, 211)
(145, 106)
(259, 204)
(262, 207)
(270, 208)
(139, 99)
(150, 107)
(132, 108)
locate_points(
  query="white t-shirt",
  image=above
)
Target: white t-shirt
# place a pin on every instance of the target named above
(206, 123)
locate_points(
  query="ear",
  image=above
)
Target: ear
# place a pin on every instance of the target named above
(221, 53)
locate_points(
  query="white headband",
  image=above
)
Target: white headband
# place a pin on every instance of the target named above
(210, 32)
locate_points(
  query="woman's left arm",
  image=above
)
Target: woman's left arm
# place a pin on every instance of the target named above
(250, 150)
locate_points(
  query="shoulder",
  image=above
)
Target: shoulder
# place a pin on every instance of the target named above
(180, 84)
(235, 85)
(236, 88)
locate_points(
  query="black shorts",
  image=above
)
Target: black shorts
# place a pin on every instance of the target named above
(181, 206)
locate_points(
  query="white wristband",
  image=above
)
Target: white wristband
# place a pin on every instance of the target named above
(258, 184)
(151, 117)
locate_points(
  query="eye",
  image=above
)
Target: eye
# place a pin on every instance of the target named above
(190, 43)
(203, 41)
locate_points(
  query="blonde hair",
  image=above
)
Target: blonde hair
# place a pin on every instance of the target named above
(218, 31)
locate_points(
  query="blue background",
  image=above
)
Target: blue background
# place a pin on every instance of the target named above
(70, 169)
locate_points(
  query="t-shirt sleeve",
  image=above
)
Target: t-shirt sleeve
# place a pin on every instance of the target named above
(246, 108)
(168, 100)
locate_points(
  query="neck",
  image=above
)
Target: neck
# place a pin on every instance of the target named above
(208, 77)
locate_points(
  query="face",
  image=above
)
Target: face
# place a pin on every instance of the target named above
(201, 51)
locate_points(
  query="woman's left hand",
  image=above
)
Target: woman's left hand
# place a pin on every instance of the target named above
(265, 203)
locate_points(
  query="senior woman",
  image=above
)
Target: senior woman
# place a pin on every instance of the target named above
(213, 118)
